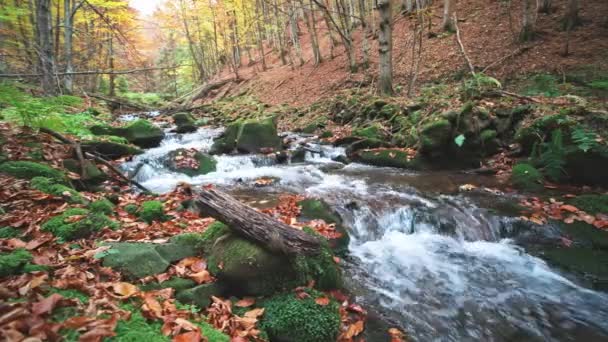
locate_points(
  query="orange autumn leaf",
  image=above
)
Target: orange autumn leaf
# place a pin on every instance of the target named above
(568, 207)
(323, 301)
(255, 313)
(201, 277)
(354, 329)
(245, 302)
(191, 336)
(124, 289)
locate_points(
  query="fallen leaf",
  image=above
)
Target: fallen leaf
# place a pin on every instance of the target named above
(245, 302)
(191, 336)
(323, 301)
(125, 290)
(255, 313)
(570, 208)
(354, 329)
(46, 305)
(201, 277)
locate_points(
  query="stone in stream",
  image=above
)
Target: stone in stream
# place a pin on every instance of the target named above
(312, 209)
(185, 123)
(140, 132)
(390, 158)
(251, 136)
(110, 149)
(190, 162)
(246, 268)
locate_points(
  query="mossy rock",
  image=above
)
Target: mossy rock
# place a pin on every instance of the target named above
(288, 318)
(298, 156)
(526, 177)
(389, 158)
(93, 175)
(102, 206)
(48, 186)
(181, 246)
(587, 167)
(151, 211)
(226, 143)
(176, 283)
(585, 235)
(77, 223)
(206, 163)
(139, 132)
(313, 209)
(435, 136)
(185, 123)
(135, 260)
(591, 263)
(109, 149)
(29, 170)
(591, 203)
(14, 262)
(364, 144)
(257, 136)
(373, 131)
(200, 295)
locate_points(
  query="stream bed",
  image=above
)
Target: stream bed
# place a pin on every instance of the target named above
(437, 263)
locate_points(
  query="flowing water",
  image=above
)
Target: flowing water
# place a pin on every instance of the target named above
(439, 264)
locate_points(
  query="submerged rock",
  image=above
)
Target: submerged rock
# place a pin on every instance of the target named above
(139, 132)
(190, 162)
(185, 123)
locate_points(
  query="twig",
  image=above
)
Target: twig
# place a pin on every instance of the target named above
(462, 50)
(512, 54)
(93, 156)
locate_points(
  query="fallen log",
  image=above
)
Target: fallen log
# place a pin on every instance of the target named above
(121, 102)
(253, 225)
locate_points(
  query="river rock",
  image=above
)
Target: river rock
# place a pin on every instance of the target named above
(388, 157)
(185, 123)
(190, 162)
(109, 149)
(313, 209)
(200, 295)
(139, 132)
(251, 136)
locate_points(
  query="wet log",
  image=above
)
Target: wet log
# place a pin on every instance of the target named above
(253, 225)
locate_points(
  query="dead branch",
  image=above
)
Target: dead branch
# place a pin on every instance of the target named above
(462, 49)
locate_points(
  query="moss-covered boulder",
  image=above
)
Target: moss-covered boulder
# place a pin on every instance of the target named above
(200, 295)
(138, 260)
(246, 268)
(29, 170)
(102, 206)
(139, 132)
(176, 283)
(373, 131)
(388, 157)
(587, 167)
(110, 149)
(48, 186)
(539, 130)
(185, 123)
(135, 260)
(434, 137)
(252, 136)
(14, 262)
(363, 144)
(77, 223)
(526, 177)
(288, 318)
(92, 176)
(314, 209)
(592, 204)
(258, 136)
(190, 162)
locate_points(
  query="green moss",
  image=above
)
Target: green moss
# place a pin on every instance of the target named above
(257, 135)
(592, 204)
(138, 328)
(14, 262)
(9, 232)
(326, 134)
(72, 294)
(206, 163)
(200, 295)
(387, 157)
(131, 208)
(370, 132)
(102, 206)
(227, 142)
(526, 177)
(487, 135)
(212, 233)
(435, 135)
(109, 148)
(289, 319)
(93, 175)
(540, 130)
(48, 186)
(91, 222)
(152, 211)
(135, 260)
(29, 170)
(139, 132)
(317, 209)
(212, 334)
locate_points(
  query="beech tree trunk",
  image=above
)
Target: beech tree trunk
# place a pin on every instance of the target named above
(544, 6)
(385, 44)
(528, 21)
(448, 15)
(572, 19)
(253, 225)
(45, 46)
(68, 80)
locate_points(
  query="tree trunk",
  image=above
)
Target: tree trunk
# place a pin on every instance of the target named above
(364, 33)
(528, 21)
(295, 38)
(111, 66)
(252, 225)
(68, 80)
(572, 19)
(279, 27)
(448, 15)
(544, 6)
(45, 46)
(385, 45)
(260, 35)
(315, 38)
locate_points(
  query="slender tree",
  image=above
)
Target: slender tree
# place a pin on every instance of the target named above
(45, 46)
(385, 45)
(449, 6)
(528, 27)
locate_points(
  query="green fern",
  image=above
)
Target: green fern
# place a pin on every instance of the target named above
(553, 156)
(584, 139)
